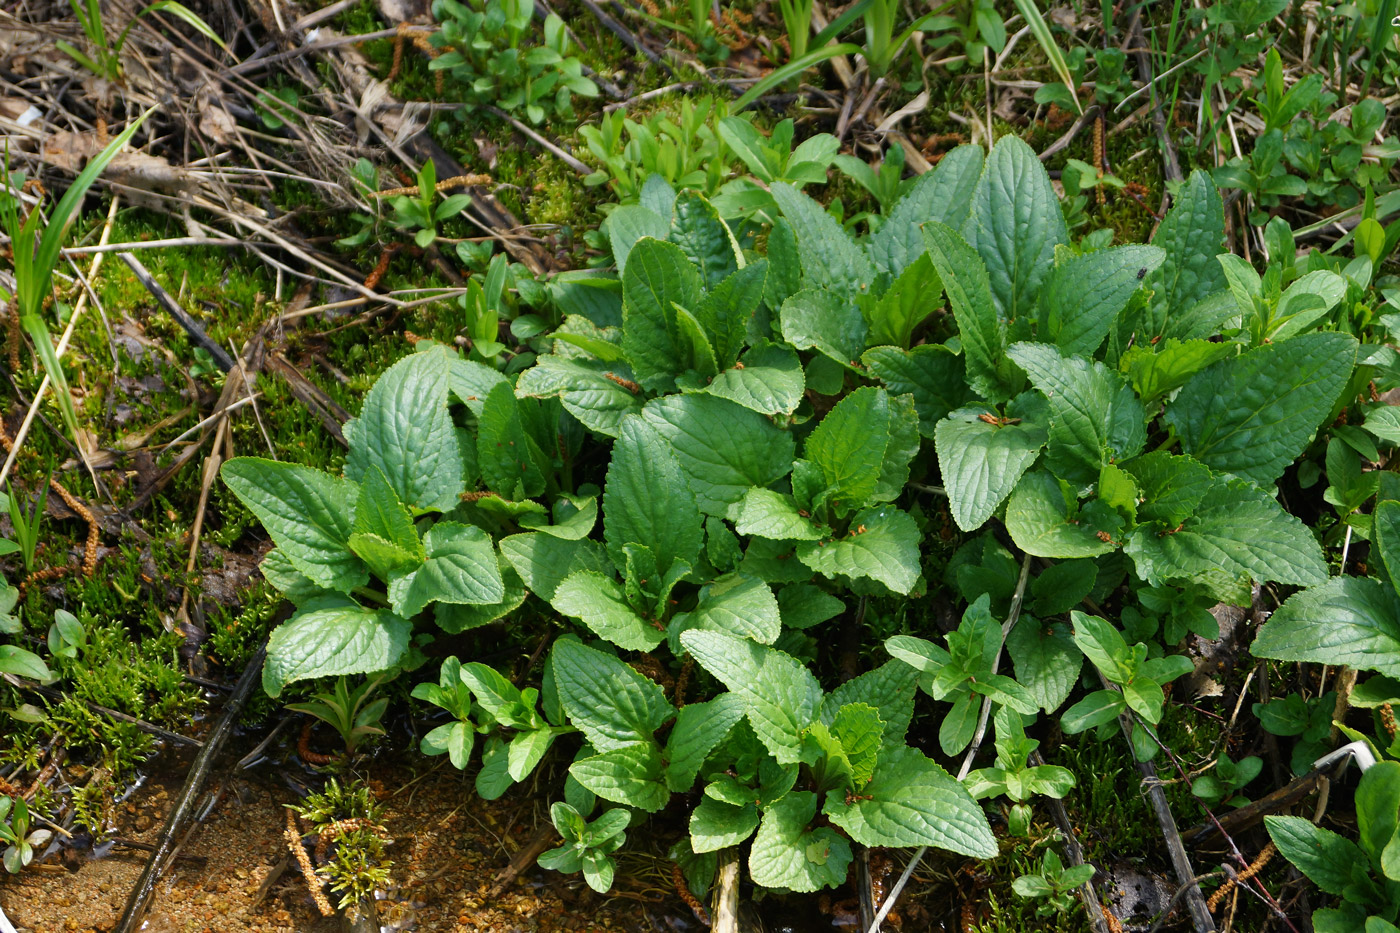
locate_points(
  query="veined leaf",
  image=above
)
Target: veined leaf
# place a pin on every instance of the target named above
(786, 853)
(333, 636)
(461, 568)
(658, 278)
(1191, 236)
(883, 545)
(769, 381)
(405, 431)
(1253, 414)
(943, 195)
(593, 391)
(723, 449)
(647, 500)
(821, 319)
(308, 513)
(609, 702)
(831, 259)
(981, 462)
(980, 326)
(1347, 620)
(931, 373)
(1084, 295)
(1015, 226)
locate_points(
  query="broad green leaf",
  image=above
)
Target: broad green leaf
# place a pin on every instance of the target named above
(630, 774)
(23, 663)
(699, 729)
(1347, 620)
(658, 278)
(981, 462)
(883, 544)
(723, 448)
(404, 430)
(309, 514)
(740, 605)
(461, 568)
(888, 688)
(931, 373)
(1104, 646)
(1171, 486)
(1094, 416)
(1253, 414)
(1191, 236)
(454, 618)
(1044, 519)
(913, 802)
(768, 514)
(279, 570)
(697, 352)
(511, 464)
(575, 517)
(903, 445)
(647, 500)
(726, 311)
(768, 380)
(803, 605)
(716, 825)
(943, 195)
(1384, 423)
(845, 750)
(600, 602)
(704, 239)
(1015, 225)
(981, 328)
(471, 382)
(1237, 529)
(1325, 857)
(333, 636)
(455, 739)
(1158, 370)
(910, 299)
(385, 559)
(787, 853)
(593, 391)
(1386, 535)
(543, 561)
(379, 512)
(1378, 809)
(849, 445)
(831, 260)
(1099, 707)
(824, 320)
(627, 225)
(1046, 661)
(1083, 295)
(525, 751)
(609, 702)
(781, 696)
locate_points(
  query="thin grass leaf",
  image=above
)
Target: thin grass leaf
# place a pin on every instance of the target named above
(39, 335)
(1041, 30)
(179, 11)
(791, 70)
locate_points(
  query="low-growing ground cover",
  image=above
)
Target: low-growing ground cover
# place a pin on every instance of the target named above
(783, 466)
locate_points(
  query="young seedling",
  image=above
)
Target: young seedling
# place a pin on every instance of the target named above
(1054, 883)
(349, 712)
(587, 846)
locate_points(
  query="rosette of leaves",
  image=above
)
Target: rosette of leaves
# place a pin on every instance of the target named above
(1075, 360)
(490, 61)
(778, 756)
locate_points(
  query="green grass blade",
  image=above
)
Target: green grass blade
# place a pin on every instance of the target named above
(46, 259)
(180, 11)
(1041, 30)
(833, 29)
(791, 70)
(39, 335)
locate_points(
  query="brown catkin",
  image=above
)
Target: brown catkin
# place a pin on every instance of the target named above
(304, 747)
(1388, 719)
(313, 880)
(683, 890)
(1254, 868)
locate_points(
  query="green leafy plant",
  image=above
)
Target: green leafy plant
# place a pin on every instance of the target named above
(358, 863)
(36, 257)
(489, 60)
(684, 149)
(15, 830)
(1227, 778)
(1054, 883)
(1365, 875)
(425, 211)
(26, 525)
(349, 712)
(588, 846)
(1015, 778)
